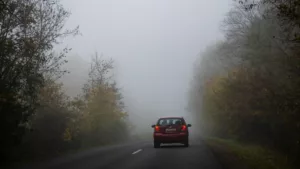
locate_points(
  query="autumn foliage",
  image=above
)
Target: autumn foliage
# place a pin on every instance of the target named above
(247, 87)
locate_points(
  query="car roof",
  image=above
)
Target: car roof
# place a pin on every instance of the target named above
(171, 117)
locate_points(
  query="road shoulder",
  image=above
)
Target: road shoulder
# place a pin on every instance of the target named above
(233, 155)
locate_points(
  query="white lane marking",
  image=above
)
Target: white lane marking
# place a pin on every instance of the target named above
(137, 151)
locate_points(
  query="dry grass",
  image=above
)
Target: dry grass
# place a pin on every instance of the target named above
(234, 155)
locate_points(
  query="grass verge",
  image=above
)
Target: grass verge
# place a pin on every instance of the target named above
(234, 155)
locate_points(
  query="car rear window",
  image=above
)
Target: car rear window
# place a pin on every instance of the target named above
(170, 121)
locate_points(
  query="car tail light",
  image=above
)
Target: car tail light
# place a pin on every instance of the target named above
(156, 128)
(183, 128)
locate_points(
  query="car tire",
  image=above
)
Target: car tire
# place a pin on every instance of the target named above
(186, 144)
(156, 144)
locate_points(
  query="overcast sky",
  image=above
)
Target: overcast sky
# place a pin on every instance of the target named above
(153, 42)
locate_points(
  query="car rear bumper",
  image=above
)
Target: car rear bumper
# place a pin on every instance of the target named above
(171, 138)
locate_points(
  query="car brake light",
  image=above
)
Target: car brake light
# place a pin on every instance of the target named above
(183, 128)
(156, 128)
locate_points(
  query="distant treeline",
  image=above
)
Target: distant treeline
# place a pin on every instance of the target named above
(247, 87)
(38, 119)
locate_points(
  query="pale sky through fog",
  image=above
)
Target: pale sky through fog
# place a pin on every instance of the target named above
(153, 42)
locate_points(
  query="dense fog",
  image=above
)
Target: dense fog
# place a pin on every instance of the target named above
(78, 75)
(154, 45)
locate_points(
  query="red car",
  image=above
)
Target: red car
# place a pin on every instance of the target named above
(171, 130)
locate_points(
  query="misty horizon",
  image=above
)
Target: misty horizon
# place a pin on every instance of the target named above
(154, 45)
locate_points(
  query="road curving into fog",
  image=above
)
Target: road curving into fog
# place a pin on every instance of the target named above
(139, 155)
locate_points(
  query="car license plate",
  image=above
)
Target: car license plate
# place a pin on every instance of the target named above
(170, 130)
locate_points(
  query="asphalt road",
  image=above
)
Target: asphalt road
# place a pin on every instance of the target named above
(140, 155)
